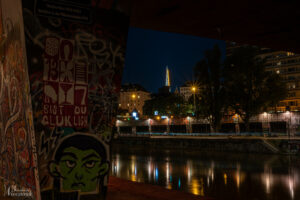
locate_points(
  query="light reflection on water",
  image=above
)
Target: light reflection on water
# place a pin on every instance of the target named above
(214, 178)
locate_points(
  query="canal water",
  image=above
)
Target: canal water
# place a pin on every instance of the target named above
(219, 175)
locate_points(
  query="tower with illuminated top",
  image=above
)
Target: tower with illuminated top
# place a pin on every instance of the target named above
(166, 89)
(168, 81)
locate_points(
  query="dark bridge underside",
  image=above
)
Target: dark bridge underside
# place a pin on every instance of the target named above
(266, 23)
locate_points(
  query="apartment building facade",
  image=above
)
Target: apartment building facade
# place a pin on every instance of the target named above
(132, 98)
(287, 65)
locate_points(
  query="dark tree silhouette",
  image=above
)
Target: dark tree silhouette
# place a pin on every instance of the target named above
(209, 75)
(165, 104)
(250, 88)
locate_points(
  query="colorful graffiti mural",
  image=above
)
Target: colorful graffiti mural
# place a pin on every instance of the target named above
(65, 86)
(18, 169)
(80, 162)
(75, 59)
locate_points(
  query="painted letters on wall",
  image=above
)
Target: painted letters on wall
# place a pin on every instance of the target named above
(75, 56)
(18, 168)
(65, 85)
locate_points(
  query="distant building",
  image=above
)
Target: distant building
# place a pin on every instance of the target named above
(164, 90)
(176, 91)
(186, 91)
(133, 97)
(287, 65)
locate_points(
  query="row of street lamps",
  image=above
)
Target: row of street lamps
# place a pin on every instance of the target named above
(194, 89)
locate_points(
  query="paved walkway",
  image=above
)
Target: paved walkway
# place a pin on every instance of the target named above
(232, 136)
(120, 189)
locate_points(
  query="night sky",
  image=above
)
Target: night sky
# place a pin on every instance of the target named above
(149, 52)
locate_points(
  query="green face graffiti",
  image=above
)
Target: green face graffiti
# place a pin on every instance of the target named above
(79, 170)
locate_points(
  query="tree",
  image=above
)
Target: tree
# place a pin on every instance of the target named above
(165, 104)
(209, 75)
(194, 105)
(250, 88)
(122, 112)
(277, 91)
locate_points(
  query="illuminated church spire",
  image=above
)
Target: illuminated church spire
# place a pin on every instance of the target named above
(168, 81)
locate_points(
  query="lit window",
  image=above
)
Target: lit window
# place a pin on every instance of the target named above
(278, 72)
(120, 105)
(128, 104)
(138, 96)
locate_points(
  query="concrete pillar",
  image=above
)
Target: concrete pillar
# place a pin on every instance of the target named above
(149, 125)
(188, 125)
(168, 125)
(18, 175)
(118, 130)
(133, 130)
(75, 55)
(237, 128)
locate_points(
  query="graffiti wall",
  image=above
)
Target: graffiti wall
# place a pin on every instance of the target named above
(18, 171)
(75, 55)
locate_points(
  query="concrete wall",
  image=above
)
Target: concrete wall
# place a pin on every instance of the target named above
(18, 166)
(233, 145)
(75, 56)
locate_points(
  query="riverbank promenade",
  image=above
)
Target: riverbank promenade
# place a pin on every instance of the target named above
(210, 137)
(120, 189)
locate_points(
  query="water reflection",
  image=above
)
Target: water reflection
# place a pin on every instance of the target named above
(225, 178)
(211, 172)
(133, 176)
(291, 186)
(168, 176)
(156, 174)
(289, 180)
(189, 170)
(150, 167)
(197, 188)
(292, 181)
(267, 178)
(214, 178)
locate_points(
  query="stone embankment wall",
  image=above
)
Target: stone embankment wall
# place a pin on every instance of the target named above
(280, 146)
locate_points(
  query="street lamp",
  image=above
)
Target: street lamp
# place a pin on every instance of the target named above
(288, 114)
(188, 124)
(168, 127)
(194, 94)
(266, 119)
(236, 121)
(149, 124)
(133, 97)
(193, 88)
